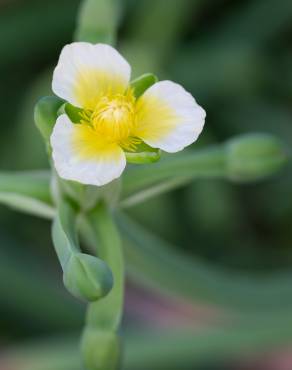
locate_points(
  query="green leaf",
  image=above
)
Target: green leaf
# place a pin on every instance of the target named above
(45, 115)
(153, 191)
(161, 266)
(98, 21)
(142, 83)
(222, 340)
(143, 154)
(85, 276)
(28, 192)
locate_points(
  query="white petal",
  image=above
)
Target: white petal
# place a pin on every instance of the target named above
(169, 118)
(85, 70)
(99, 170)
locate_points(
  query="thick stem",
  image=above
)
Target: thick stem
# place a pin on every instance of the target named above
(107, 312)
(100, 343)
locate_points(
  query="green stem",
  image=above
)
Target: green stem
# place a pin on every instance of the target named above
(202, 164)
(64, 234)
(246, 158)
(107, 312)
(85, 276)
(100, 343)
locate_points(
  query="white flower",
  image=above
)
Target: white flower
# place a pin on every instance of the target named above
(96, 78)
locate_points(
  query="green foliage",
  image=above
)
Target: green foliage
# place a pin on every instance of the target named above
(85, 276)
(45, 115)
(28, 192)
(98, 21)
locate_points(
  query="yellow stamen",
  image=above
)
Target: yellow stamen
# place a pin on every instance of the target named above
(113, 120)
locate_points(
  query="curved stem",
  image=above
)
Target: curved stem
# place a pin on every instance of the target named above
(100, 343)
(107, 312)
(85, 276)
(64, 233)
(207, 163)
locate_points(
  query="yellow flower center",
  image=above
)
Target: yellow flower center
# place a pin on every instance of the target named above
(114, 119)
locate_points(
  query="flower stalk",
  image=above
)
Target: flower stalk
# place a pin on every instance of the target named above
(101, 346)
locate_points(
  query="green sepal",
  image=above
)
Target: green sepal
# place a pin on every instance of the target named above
(73, 112)
(143, 154)
(45, 115)
(142, 83)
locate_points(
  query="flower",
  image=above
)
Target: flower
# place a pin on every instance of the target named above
(96, 78)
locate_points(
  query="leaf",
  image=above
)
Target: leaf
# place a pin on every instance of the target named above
(153, 191)
(19, 266)
(28, 192)
(165, 348)
(157, 264)
(45, 115)
(98, 21)
(142, 83)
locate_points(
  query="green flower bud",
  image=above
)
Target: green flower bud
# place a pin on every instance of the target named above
(101, 349)
(87, 277)
(254, 156)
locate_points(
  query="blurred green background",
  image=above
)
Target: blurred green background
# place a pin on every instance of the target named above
(235, 57)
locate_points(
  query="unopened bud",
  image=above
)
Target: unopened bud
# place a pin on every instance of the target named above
(254, 156)
(87, 277)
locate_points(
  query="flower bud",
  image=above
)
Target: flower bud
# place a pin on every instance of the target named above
(254, 156)
(87, 277)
